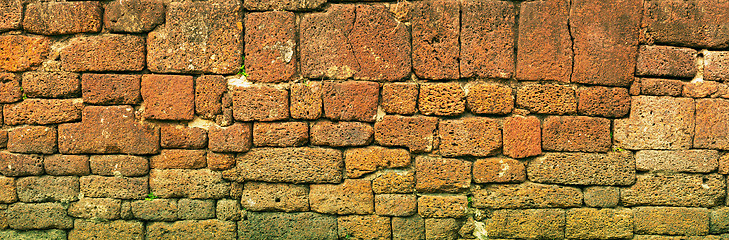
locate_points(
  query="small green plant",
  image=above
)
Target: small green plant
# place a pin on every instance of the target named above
(24, 96)
(242, 68)
(618, 149)
(470, 201)
(347, 237)
(151, 196)
(307, 83)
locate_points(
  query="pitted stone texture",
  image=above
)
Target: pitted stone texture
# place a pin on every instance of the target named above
(56, 18)
(351, 101)
(361, 161)
(487, 39)
(179, 136)
(108, 130)
(26, 216)
(353, 196)
(671, 221)
(32, 139)
(603, 101)
(114, 165)
(498, 170)
(18, 165)
(220, 161)
(719, 220)
(192, 229)
(399, 98)
(576, 134)
(441, 228)
(700, 24)
(341, 134)
(435, 29)
(259, 196)
(43, 111)
(409, 228)
(614, 168)
(306, 100)
(396, 204)
(441, 99)
(10, 89)
(435, 174)
(442, 206)
(363, 41)
(168, 97)
(101, 208)
(13, 15)
(716, 64)
(295, 226)
(110, 89)
(656, 123)
(675, 189)
(394, 182)
(661, 87)
(213, 44)
(294, 165)
(155, 209)
(270, 39)
(282, 134)
(473, 136)
(48, 189)
(697, 161)
(591, 223)
(260, 103)
(290, 5)
(135, 16)
(209, 90)
(701, 89)
(109, 52)
(490, 99)
(9, 195)
(364, 227)
(544, 51)
(605, 36)
(179, 159)
(120, 229)
(235, 138)
(51, 234)
(51, 84)
(527, 195)
(21, 53)
(195, 184)
(548, 99)
(602, 197)
(415, 133)
(527, 224)
(522, 136)
(712, 124)
(114, 187)
(665, 61)
(228, 210)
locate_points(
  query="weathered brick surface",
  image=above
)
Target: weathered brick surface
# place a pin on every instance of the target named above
(544, 51)
(270, 39)
(51, 84)
(43, 111)
(110, 52)
(192, 229)
(716, 64)
(47, 189)
(603, 101)
(441, 228)
(661, 87)
(601, 197)
(697, 161)
(101, 208)
(9, 195)
(591, 223)
(441, 99)
(442, 206)
(306, 100)
(360, 161)
(719, 220)
(295, 165)
(228, 210)
(341, 134)
(260, 103)
(155, 209)
(435, 31)
(436, 174)
(353, 196)
(58, 164)
(712, 124)
(56, 18)
(259, 196)
(110, 89)
(220, 161)
(527, 224)
(53, 234)
(108, 130)
(179, 159)
(671, 221)
(415, 133)
(498, 170)
(394, 182)
(548, 99)
(665, 61)
(234, 138)
(698, 25)
(700, 89)
(724, 164)
(364, 227)
(469, 136)
(399, 98)
(25, 216)
(408, 228)
(168, 97)
(18, 165)
(527, 195)
(195, 184)
(22, 52)
(675, 189)
(395, 204)
(283, 134)
(580, 133)
(656, 123)
(487, 33)
(522, 136)
(179, 136)
(10, 89)
(13, 15)
(490, 99)
(298, 226)
(114, 187)
(351, 101)
(209, 91)
(32, 139)
(291, 5)
(89, 229)
(213, 44)
(133, 16)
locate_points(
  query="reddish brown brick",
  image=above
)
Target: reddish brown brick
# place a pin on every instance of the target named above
(671, 221)
(210, 32)
(43, 111)
(26, 216)
(716, 64)
(33, 139)
(109, 52)
(587, 223)
(51, 84)
(490, 99)
(9, 195)
(394, 182)
(220, 161)
(110, 89)
(188, 183)
(675, 189)
(399, 205)
(56, 18)
(442, 99)
(522, 136)
(603, 101)
(209, 91)
(119, 165)
(487, 39)
(13, 15)
(353, 196)
(270, 46)
(661, 87)
(351, 101)
(21, 53)
(284, 134)
(698, 25)
(473, 136)
(18, 165)
(341, 134)
(325, 47)
(168, 97)
(235, 138)
(361, 161)
(259, 196)
(133, 16)
(549, 99)
(656, 123)
(700, 89)
(306, 100)
(576, 134)
(614, 168)
(108, 130)
(711, 124)
(435, 174)
(60, 165)
(114, 187)
(415, 133)
(399, 98)
(442, 206)
(178, 158)
(179, 136)
(665, 61)
(700, 161)
(527, 224)
(291, 5)
(260, 103)
(435, 31)
(544, 51)
(295, 165)
(10, 90)
(498, 170)
(527, 195)
(364, 227)
(601, 197)
(48, 189)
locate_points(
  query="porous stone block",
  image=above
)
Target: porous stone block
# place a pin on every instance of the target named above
(306, 100)
(699, 25)
(42, 111)
(576, 134)
(195, 184)
(675, 189)
(114, 187)
(168, 97)
(121, 229)
(490, 99)
(33, 139)
(26, 216)
(394, 182)
(544, 50)
(436, 174)
(661, 87)
(415, 133)
(13, 15)
(291, 5)
(361, 161)
(260, 103)
(228, 210)
(590, 223)
(192, 209)
(671, 221)
(284, 134)
(351, 100)
(294, 165)
(656, 123)
(527, 195)
(100, 208)
(260, 196)
(51, 84)
(435, 39)
(697, 161)
(57, 18)
(220, 161)
(179, 159)
(487, 39)
(111, 89)
(498, 170)
(108, 52)
(22, 52)
(399, 98)
(192, 229)
(601, 196)
(18, 165)
(234, 138)
(9, 195)
(665, 61)
(304, 225)
(364, 227)
(441, 99)
(401, 205)
(353, 196)
(712, 124)
(341, 134)
(270, 39)
(527, 224)
(469, 136)
(603, 101)
(522, 136)
(716, 64)
(442, 206)
(408, 228)
(547, 99)
(51, 234)
(135, 16)
(47, 189)
(179, 136)
(209, 90)
(10, 89)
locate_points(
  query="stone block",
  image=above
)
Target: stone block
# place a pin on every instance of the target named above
(259, 196)
(364, 227)
(409, 228)
(89, 229)
(436, 174)
(10, 89)
(133, 16)
(361, 161)
(490, 99)
(712, 124)
(547, 99)
(260, 103)
(111, 89)
(675, 189)
(697, 161)
(441, 99)
(527, 195)
(33, 139)
(661, 87)
(719, 220)
(498, 170)
(603, 101)
(234, 138)
(270, 39)
(9, 195)
(168, 97)
(614, 168)
(400, 205)
(671, 221)
(27, 216)
(306, 100)
(527, 224)
(179, 136)
(220, 161)
(473, 136)
(291, 5)
(297, 226)
(716, 64)
(114, 187)
(601, 197)
(195, 184)
(435, 39)
(22, 52)
(353, 196)
(179, 159)
(415, 133)
(43, 111)
(192, 229)
(13, 15)
(108, 52)
(341, 134)
(228, 210)
(394, 182)
(47, 189)
(18, 165)
(442, 206)
(155, 209)
(283, 134)
(522, 136)
(656, 123)
(190, 209)
(209, 90)
(591, 223)
(399, 98)
(51, 84)
(701, 89)
(351, 100)
(294, 165)
(576, 134)
(57, 18)
(96, 208)
(119, 165)
(665, 61)
(697, 25)
(487, 39)
(51, 234)
(544, 50)
(441, 228)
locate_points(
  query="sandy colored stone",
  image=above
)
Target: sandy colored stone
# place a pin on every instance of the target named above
(361, 161)
(415, 133)
(700, 25)
(192, 229)
(56, 18)
(51, 84)
(490, 99)
(306, 100)
(114, 187)
(353, 196)
(522, 136)
(260, 196)
(435, 39)
(133, 16)
(33, 139)
(527, 224)
(13, 15)
(671, 221)
(110, 89)
(281, 134)
(43, 111)
(9, 195)
(399, 98)
(603, 101)
(442, 206)
(193, 209)
(661, 87)
(487, 38)
(441, 99)
(473, 136)
(498, 170)
(547, 99)
(22, 52)
(101, 208)
(394, 182)
(700, 89)
(291, 5)
(712, 124)
(436, 174)
(87, 229)
(295, 226)
(108, 52)
(51, 234)
(527, 195)
(195, 184)
(351, 100)
(614, 168)
(341, 134)
(601, 196)
(260, 103)
(401, 205)
(675, 189)
(699, 161)
(591, 223)
(155, 209)
(270, 39)
(220, 161)
(47, 189)
(715, 65)
(656, 123)
(576, 134)
(26, 216)
(294, 165)
(544, 49)
(410, 228)
(228, 210)
(364, 227)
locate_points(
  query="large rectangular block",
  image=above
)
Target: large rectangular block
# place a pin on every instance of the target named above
(43, 111)
(259, 196)
(527, 195)
(350, 101)
(436, 174)
(671, 221)
(272, 225)
(168, 97)
(544, 51)
(57, 18)
(120, 229)
(436, 26)
(698, 161)
(666, 61)
(51, 84)
(614, 168)
(547, 98)
(576, 134)
(109, 52)
(110, 89)
(675, 189)
(260, 103)
(48, 189)
(353, 196)
(473, 136)
(656, 123)
(592, 223)
(700, 24)
(415, 133)
(522, 136)
(270, 46)
(26, 216)
(712, 124)
(526, 224)
(114, 187)
(295, 165)
(13, 16)
(487, 38)
(192, 229)
(18, 165)
(196, 184)
(22, 52)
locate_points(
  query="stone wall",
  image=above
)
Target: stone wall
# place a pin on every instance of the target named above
(307, 119)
